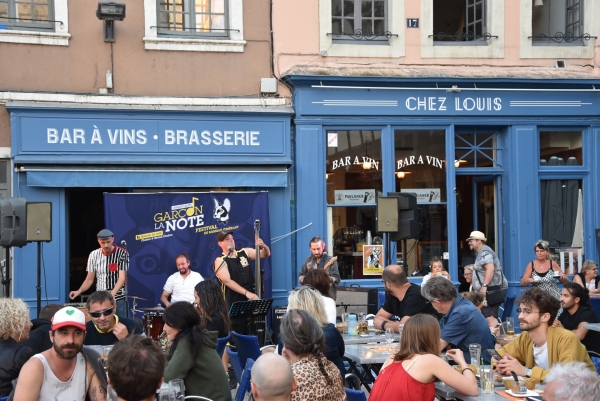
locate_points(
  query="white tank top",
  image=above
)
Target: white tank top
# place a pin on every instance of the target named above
(73, 389)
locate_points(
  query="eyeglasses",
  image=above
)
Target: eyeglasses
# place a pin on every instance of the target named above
(526, 311)
(105, 312)
(468, 274)
(384, 281)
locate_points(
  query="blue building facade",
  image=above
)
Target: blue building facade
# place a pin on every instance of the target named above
(512, 158)
(69, 156)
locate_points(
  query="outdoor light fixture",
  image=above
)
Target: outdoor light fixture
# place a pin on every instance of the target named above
(109, 12)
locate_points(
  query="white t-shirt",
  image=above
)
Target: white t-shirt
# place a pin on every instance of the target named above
(330, 309)
(182, 289)
(73, 389)
(428, 276)
(540, 356)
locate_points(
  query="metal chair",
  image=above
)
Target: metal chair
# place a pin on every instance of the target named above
(246, 347)
(355, 395)
(222, 343)
(244, 386)
(595, 357)
(234, 360)
(352, 381)
(509, 302)
(197, 397)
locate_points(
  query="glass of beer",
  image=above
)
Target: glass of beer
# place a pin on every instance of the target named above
(510, 326)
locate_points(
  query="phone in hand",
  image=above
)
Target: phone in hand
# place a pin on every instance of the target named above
(494, 354)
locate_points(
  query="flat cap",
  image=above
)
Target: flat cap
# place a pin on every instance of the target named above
(105, 233)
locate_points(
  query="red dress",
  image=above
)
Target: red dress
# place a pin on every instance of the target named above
(394, 383)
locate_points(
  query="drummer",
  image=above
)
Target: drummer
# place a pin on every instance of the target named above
(180, 285)
(106, 328)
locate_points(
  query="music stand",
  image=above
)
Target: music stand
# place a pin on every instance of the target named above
(250, 310)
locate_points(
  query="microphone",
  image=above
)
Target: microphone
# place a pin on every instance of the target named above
(124, 244)
(229, 250)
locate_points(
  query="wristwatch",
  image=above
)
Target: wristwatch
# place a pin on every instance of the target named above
(484, 285)
(528, 372)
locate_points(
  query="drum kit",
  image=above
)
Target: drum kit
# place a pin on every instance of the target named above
(152, 319)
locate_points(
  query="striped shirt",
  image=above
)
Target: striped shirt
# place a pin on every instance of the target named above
(107, 269)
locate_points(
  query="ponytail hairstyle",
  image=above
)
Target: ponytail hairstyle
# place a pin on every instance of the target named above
(301, 334)
(183, 316)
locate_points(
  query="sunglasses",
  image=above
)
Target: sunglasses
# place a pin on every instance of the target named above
(105, 312)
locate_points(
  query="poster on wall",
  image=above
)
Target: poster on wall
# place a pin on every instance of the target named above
(157, 227)
(354, 196)
(373, 260)
(425, 195)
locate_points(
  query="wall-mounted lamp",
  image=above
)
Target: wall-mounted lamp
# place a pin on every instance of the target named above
(457, 163)
(538, 3)
(109, 12)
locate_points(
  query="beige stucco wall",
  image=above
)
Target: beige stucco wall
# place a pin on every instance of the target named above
(81, 66)
(302, 46)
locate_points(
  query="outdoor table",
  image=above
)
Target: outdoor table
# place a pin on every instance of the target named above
(592, 326)
(369, 357)
(368, 339)
(446, 392)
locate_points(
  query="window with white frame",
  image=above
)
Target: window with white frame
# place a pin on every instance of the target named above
(27, 14)
(362, 20)
(193, 18)
(460, 22)
(558, 22)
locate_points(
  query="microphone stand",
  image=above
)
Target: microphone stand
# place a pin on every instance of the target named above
(124, 245)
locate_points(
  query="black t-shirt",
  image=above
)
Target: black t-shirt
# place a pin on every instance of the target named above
(94, 337)
(216, 324)
(412, 304)
(583, 314)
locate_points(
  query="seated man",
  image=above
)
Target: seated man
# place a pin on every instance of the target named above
(575, 301)
(462, 323)
(106, 328)
(136, 368)
(571, 381)
(540, 345)
(272, 378)
(402, 299)
(39, 340)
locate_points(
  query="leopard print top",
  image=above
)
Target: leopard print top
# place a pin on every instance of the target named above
(311, 385)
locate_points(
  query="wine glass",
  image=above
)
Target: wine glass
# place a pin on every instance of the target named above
(389, 335)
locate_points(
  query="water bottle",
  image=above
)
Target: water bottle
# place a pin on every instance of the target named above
(352, 326)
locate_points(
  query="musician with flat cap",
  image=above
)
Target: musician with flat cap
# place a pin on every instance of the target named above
(110, 264)
(233, 270)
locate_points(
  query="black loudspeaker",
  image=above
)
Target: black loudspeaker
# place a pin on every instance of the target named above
(278, 313)
(39, 221)
(13, 222)
(387, 214)
(408, 224)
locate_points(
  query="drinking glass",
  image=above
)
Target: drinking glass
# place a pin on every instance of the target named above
(510, 326)
(179, 387)
(400, 330)
(167, 394)
(345, 318)
(389, 335)
(487, 381)
(475, 352)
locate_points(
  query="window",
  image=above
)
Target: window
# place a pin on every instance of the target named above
(477, 148)
(560, 148)
(460, 21)
(558, 22)
(193, 17)
(26, 14)
(359, 20)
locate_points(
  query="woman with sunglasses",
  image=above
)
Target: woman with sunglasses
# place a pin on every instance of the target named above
(542, 272)
(192, 356)
(588, 278)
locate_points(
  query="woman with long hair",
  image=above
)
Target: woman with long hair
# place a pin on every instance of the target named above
(14, 328)
(409, 375)
(317, 378)
(192, 356)
(210, 304)
(320, 281)
(308, 299)
(437, 269)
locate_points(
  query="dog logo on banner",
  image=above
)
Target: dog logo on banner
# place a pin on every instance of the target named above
(221, 212)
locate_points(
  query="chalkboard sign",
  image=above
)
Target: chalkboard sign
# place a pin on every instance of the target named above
(429, 249)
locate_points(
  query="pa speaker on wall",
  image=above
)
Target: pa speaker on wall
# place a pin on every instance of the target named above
(387, 214)
(13, 220)
(39, 221)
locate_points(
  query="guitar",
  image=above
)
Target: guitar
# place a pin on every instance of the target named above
(331, 261)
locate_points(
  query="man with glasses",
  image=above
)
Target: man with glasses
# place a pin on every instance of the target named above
(402, 300)
(540, 345)
(106, 327)
(487, 273)
(321, 260)
(180, 285)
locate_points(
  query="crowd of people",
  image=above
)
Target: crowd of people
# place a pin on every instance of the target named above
(52, 357)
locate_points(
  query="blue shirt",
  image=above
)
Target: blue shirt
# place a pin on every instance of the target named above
(464, 324)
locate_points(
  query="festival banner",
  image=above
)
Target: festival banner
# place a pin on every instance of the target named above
(157, 227)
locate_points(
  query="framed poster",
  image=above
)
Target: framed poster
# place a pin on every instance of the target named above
(373, 259)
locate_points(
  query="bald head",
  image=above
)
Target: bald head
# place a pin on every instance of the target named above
(272, 378)
(394, 274)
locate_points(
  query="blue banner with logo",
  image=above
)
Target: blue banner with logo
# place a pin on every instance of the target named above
(159, 226)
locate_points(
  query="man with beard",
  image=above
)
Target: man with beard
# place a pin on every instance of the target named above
(62, 372)
(402, 299)
(540, 346)
(106, 327)
(180, 285)
(320, 260)
(575, 301)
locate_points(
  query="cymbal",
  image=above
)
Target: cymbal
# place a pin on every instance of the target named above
(136, 297)
(156, 308)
